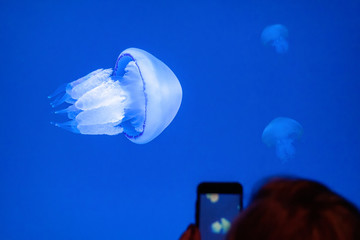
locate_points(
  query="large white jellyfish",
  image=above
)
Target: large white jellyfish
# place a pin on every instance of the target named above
(139, 97)
(276, 36)
(281, 133)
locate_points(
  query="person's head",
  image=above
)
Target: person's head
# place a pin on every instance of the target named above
(297, 209)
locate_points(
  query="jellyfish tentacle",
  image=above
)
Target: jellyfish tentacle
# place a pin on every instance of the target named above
(65, 110)
(69, 125)
(71, 111)
(59, 90)
(61, 99)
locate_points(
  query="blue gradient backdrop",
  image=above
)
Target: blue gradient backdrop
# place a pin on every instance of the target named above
(58, 185)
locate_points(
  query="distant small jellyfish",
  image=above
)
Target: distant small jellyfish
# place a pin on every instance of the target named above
(276, 36)
(213, 197)
(221, 227)
(281, 133)
(139, 97)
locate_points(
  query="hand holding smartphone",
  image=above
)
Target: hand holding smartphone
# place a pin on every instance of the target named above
(217, 205)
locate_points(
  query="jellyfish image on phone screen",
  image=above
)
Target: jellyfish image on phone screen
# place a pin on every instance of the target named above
(281, 134)
(276, 36)
(139, 98)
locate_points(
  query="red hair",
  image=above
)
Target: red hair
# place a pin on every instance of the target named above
(296, 209)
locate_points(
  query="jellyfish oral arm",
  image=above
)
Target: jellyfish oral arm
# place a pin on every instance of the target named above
(285, 149)
(281, 45)
(102, 103)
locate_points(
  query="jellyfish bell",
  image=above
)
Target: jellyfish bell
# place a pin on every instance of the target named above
(276, 36)
(281, 133)
(273, 32)
(162, 91)
(280, 128)
(139, 97)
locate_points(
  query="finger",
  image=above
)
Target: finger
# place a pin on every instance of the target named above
(186, 235)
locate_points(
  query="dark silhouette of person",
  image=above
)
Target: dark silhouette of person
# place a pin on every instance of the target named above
(293, 209)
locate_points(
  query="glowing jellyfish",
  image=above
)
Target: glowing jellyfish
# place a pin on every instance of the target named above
(276, 36)
(281, 133)
(221, 226)
(139, 97)
(213, 197)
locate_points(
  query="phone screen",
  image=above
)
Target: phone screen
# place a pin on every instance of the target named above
(216, 213)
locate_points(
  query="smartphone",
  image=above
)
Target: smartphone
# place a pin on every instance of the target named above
(217, 205)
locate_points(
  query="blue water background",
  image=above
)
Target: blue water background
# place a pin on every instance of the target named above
(58, 185)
